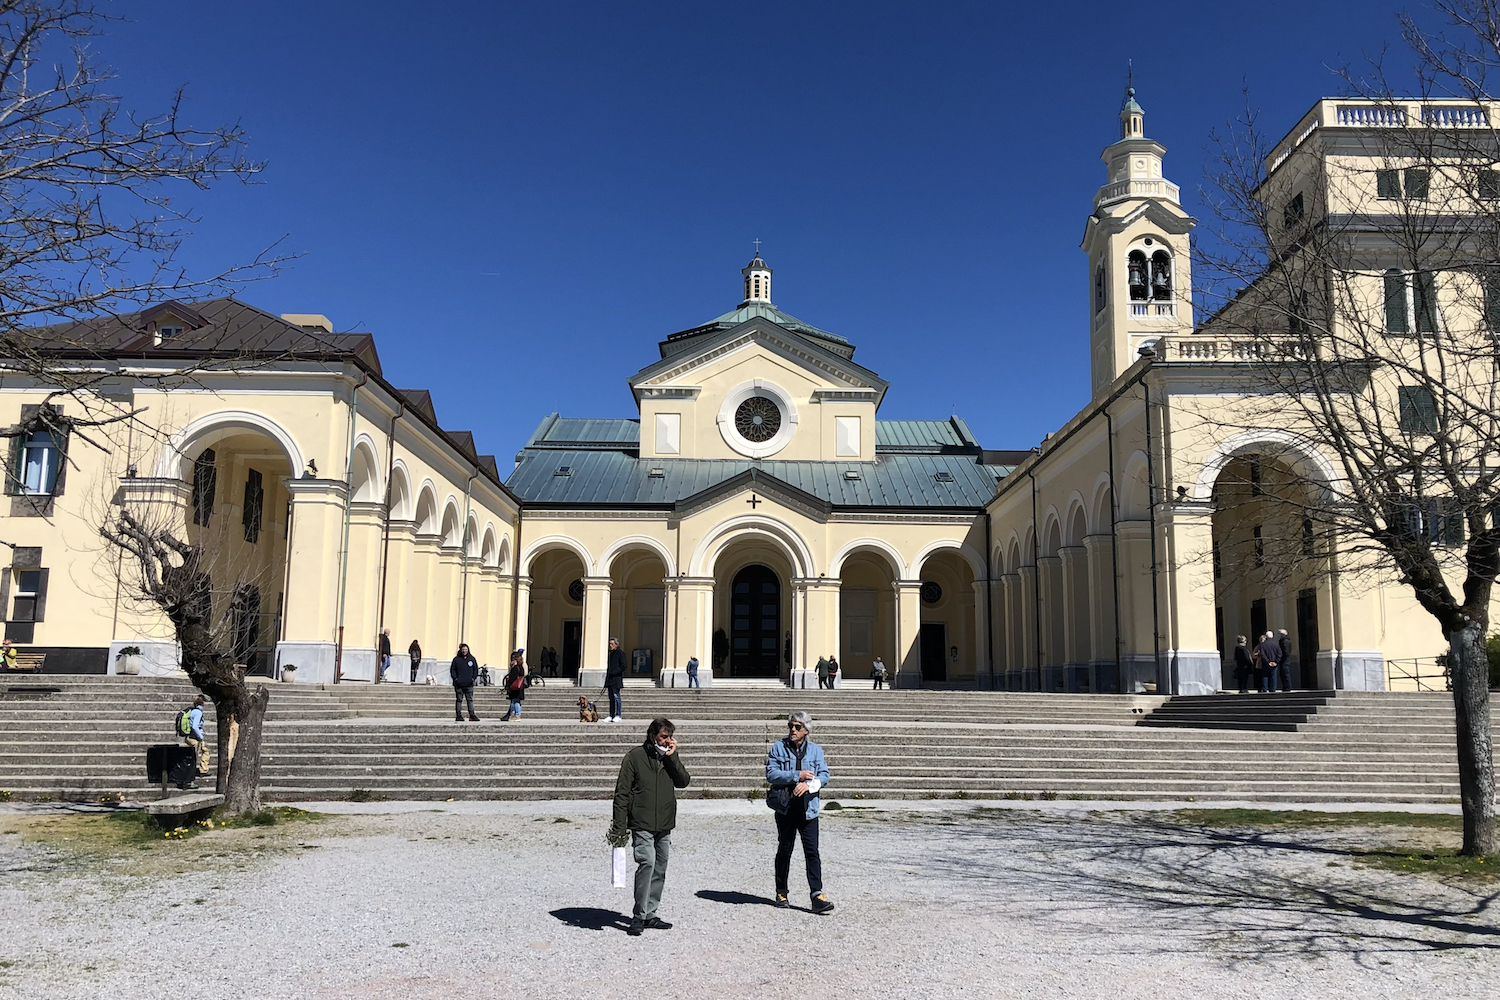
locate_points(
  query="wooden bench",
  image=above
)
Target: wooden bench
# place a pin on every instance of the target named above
(182, 810)
(28, 661)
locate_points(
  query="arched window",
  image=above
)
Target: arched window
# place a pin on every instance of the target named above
(1100, 297)
(1161, 276)
(1139, 288)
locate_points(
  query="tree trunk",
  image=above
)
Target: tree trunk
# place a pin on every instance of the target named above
(1476, 763)
(242, 793)
(223, 714)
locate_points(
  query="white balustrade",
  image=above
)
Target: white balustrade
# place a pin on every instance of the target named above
(1455, 116)
(1371, 115)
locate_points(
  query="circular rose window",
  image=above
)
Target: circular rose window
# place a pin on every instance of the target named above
(757, 419)
(932, 592)
(575, 591)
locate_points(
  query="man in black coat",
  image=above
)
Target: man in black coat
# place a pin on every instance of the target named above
(1285, 642)
(614, 679)
(1270, 660)
(464, 670)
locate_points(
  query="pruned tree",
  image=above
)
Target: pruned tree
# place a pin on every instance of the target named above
(1360, 275)
(175, 578)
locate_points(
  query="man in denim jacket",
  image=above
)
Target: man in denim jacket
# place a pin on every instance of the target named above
(797, 771)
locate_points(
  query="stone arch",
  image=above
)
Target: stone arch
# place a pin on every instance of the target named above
(607, 558)
(400, 493)
(176, 458)
(487, 547)
(502, 557)
(1076, 522)
(1136, 500)
(450, 530)
(878, 546)
(975, 560)
(1013, 554)
(426, 511)
(471, 536)
(551, 542)
(1292, 450)
(1051, 536)
(1101, 507)
(779, 533)
(364, 472)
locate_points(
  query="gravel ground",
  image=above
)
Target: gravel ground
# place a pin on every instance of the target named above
(458, 900)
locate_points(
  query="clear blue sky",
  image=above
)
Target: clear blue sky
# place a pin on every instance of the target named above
(520, 199)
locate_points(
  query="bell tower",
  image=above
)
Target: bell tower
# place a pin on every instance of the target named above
(1140, 278)
(757, 280)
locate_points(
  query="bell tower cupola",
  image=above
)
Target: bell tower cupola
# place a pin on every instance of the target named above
(1140, 285)
(757, 280)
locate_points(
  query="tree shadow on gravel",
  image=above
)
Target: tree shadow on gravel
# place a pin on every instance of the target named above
(591, 918)
(1256, 893)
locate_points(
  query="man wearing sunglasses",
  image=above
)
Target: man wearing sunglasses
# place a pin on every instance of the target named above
(796, 771)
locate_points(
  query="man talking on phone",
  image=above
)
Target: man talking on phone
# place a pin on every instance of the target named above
(646, 810)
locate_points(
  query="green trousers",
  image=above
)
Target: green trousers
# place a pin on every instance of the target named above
(651, 853)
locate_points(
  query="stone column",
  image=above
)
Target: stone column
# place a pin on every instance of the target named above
(909, 633)
(798, 669)
(1357, 662)
(1026, 632)
(693, 624)
(361, 583)
(1138, 627)
(313, 578)
(1050, 583)
(1192, 655)
(983, 675)
(398, 593)
(819, 598)
(520, 638)
(1075, 612)
(595, 659)
(1104, 677)
(152, 502)
(1010, 649)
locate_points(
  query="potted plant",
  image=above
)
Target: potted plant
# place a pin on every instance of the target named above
(128, 660)
(288, 673)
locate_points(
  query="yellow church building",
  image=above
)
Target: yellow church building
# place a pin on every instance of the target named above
(755, 512)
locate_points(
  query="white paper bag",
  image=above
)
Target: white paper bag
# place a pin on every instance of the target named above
(617, 859)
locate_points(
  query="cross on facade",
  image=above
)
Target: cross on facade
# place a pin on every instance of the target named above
(754, 501)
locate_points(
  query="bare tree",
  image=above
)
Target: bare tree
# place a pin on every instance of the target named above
(175, 578)
(1362, 275)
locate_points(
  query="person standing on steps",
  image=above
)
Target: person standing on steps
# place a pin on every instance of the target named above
(1285, 642)
(464, 671)
(385, 653)
(515, 684)
(692, 672)
(415, 652)
(796, 770)
(614, 680)
(194, 736)
(1270, 660)
(833, 672)
(877, 671)
(646, 812)
(822, 672)
(1244, 666)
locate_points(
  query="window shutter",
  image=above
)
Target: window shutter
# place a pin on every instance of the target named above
(1416, 184)
(1424, 289)
(41, 597)
(1387, 184)
(1395, 302)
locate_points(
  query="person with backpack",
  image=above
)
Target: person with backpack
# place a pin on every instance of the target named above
(464, 671)
(515, 684)
(190, 729)
(796, 770)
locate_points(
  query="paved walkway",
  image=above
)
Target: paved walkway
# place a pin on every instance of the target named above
(462, 900)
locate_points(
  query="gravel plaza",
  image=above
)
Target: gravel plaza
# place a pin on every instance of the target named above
(935, 899)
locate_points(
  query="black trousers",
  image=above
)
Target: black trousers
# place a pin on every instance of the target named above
(416, 661)
(788, 827)
(461, 695)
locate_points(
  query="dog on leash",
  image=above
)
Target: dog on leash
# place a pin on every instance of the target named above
(586, 710)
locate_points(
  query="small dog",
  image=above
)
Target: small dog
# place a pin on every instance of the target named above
(586, 710)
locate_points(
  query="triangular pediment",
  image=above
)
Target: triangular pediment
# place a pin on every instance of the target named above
(1169, 218)
(759, 334)
(760, 485)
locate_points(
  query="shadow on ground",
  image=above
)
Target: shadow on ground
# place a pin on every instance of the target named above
(591, 918)
(737, 898)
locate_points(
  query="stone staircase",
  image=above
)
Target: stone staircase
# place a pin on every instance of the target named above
(399, 742)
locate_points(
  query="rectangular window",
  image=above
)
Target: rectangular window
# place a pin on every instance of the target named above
(1293, 212)
(1388, 184)
(1444, 522)
(1491, 283)
(1487, 185)
(846, 433)
(255, 501)
(1416, 184)
(39, 463)
(1395, 303)
(1424, 299)
(668, 433)
(1309, 538)
(1418, 409)
(1255, 481)
(205, 482)
(1260, 547)
(28, 592)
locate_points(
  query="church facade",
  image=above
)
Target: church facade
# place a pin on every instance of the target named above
(756, 512)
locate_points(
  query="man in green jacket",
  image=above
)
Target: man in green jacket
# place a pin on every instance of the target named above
(646, 810)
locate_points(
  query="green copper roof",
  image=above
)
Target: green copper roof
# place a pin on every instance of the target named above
(757, 310)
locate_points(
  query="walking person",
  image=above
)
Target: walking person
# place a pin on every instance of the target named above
(646, 812)
(194, 735)
(1285, 642)
(796, 770)
(515, 684)
(614, 680)
(1270, 659)
(464, 671)
(385, 653)
(833, 672)
(1244, 666)
(692, 672)
(822, 672)
(877, 671)
(415, 652)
